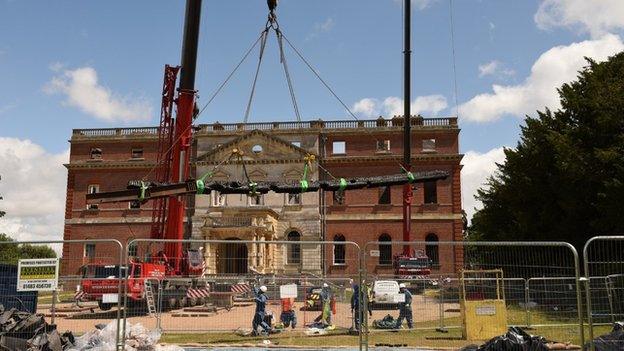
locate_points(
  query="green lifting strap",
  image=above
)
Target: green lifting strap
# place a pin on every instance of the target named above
(343, 184)
(410, 177)
(304, 185)
(142, 193)
(253, 186)
(201, 186)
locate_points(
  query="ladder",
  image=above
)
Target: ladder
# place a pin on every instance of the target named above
(149, 297)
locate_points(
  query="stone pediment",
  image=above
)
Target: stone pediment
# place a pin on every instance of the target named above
(257, 146)
(293, 173)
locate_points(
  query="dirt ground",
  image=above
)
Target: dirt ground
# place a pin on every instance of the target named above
(424, 309)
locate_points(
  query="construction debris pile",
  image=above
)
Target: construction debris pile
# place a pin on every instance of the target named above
(103, 338)
(27, 331)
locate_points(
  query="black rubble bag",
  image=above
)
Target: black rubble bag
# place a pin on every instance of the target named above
(386, 322)
(613, 341)
(515, 339)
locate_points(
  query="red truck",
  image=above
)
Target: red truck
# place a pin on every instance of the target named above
(417, 264)
(101, 282)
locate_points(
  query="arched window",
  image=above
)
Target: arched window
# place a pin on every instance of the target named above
(385, 249)
(339, 250)
(432, 250)
(133, 249)
(294, 250)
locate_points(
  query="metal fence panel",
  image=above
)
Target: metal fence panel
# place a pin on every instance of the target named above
(73, 305)
(538, 283)
(219, 298)
(603, 258)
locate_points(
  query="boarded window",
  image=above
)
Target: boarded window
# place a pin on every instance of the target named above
(294, 199)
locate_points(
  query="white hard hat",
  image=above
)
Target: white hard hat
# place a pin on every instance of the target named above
(401, 286)
(263, 288)
(325, 285)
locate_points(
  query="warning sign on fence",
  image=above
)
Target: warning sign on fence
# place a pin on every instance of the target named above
(288, 291)
(39, 274)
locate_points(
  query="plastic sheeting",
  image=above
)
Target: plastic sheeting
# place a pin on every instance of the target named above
(137, 338)
(613, 341)
(515, 339)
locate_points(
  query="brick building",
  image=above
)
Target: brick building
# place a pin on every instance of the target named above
(105, 159)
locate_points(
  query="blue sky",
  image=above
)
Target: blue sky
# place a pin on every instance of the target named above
(510, 55)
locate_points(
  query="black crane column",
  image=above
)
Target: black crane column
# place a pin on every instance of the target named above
(407, 145)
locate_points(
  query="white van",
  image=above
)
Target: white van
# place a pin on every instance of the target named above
(384, 292)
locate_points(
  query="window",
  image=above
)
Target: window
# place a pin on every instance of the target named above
(432, 249)
(89, 251)
(294, 199)
(339, 250)
(431, 192)
(217, 199)
(339, 148)
(383, 145)
(257, 149)
(384, 195)
(256, 200)
(339, 197)
(429, 145)
(134, 205)
(385, 250)
(93, 189)
(137, 153)
(96, 153)
(294, 250)
(296, 143)
(133, 250)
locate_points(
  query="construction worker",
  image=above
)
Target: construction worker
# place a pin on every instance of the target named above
(405, 308)
(260, 315)
(355, 305)
(288, 317)
(326, 306)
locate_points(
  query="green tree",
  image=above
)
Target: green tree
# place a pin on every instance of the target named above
(565, 179)
(11, 251)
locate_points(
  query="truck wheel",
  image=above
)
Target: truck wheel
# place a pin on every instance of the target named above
(172, 303)
(193, 301)
(183, 302)
(105, 306)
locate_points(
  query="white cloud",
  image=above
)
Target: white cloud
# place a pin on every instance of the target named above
(495, 68)
(556, 66)
(477, 167)
(82, 90)
(33, 187)
(393, 106)
(596, 17)
(366, 107)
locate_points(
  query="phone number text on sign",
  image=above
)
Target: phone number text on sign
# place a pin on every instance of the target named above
(37, 274)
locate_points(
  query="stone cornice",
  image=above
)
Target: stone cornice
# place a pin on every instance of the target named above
(109, 165)
(250, 162)
(391, 217)
(391, 158)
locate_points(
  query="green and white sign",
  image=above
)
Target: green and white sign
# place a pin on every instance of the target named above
(38, 274)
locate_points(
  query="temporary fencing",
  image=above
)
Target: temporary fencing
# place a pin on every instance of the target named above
(530, 284)
(215, 291)
(603, 258)
(39, 298)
